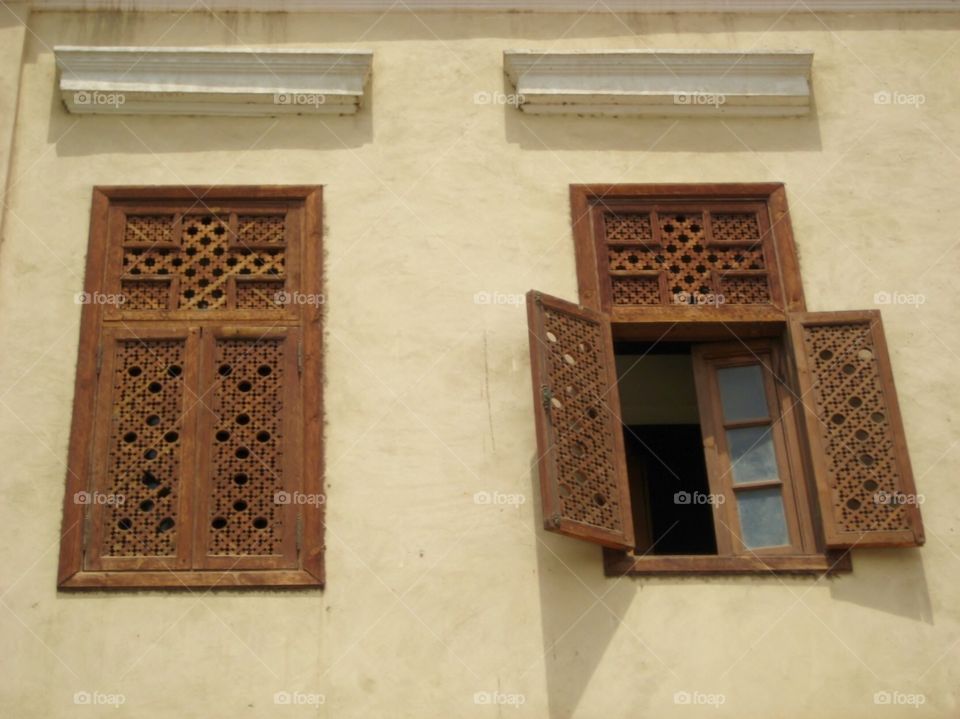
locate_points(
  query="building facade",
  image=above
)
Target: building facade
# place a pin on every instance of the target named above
(431, 586)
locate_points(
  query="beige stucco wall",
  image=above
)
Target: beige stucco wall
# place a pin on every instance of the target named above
(431, 198)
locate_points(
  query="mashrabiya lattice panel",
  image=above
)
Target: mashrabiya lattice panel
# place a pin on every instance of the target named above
(206, 258)
(247, 446)
(583, 426)
(143, 467)
(854, 422)
(686, 257)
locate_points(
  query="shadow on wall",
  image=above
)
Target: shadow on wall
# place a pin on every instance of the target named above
(887, 580)
(106, 134)
(582, 610)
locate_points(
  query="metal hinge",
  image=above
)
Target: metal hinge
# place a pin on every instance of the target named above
(99, 356)
(299, 532)
(545, 396)
(555, 520)
(300, 355)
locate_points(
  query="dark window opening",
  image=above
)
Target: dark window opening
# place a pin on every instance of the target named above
(665, 461)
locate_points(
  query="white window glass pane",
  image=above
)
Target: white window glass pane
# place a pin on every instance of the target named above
(741, 393)
(762, 521)
(752, 457)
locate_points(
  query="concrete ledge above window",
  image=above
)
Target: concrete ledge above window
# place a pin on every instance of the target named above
(211, 81)
(692, 83)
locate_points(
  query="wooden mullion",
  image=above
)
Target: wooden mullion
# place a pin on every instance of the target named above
(293, 276)
(602, 267)
(205, 417)
(775, 269)
(746, 423)
(663, 280)
(764, 484)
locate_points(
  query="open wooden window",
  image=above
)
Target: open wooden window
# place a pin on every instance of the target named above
(195, 453)
(687, 433)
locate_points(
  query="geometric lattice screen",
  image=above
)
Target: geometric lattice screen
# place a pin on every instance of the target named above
(145, 447)
(203, 261)
(580, 442)
(668, 256)
(865, 483)
(246, 470)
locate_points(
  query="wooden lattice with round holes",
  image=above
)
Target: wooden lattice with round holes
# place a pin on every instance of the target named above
(855, 425)
(205, 254)
(140, 491)
(577, 378)
(697, 254)
(246, 516)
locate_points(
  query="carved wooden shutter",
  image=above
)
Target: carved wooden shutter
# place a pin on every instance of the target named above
(196, 448)
(249, 486)
(139, 503)
(582, 465)
(854, 429)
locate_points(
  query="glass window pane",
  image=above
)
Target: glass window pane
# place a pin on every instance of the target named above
(752, 458)
(741, 393)
(762, 521)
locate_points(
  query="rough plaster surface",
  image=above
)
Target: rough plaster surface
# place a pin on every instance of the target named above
(431, 198)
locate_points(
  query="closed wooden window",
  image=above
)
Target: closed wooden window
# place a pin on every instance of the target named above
(691, 415)
(196, 446)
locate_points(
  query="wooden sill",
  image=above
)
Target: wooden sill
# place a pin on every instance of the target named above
(619, 563)
(248, 579)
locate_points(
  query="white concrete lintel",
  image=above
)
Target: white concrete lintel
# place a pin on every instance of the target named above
(212, 81)
(693, 83)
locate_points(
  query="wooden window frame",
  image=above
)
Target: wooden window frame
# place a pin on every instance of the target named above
(830, 390)
(736, 324)
(306, 209)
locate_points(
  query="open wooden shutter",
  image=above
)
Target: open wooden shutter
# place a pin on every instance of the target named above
(582, 465)
(854, 429)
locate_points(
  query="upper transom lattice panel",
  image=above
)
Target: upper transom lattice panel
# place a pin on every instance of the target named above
(686, 254)
(202, 261)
